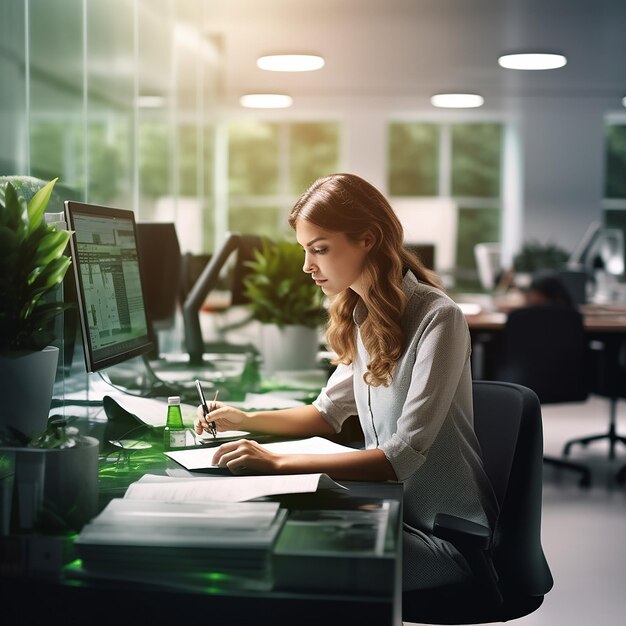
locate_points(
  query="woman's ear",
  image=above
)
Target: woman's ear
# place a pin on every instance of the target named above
(369, 240)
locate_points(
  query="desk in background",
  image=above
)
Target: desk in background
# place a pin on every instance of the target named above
(598, 318)
(603, 322)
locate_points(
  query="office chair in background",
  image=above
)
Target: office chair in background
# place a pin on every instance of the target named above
(608, 379)
(510, 559)
(544, 347)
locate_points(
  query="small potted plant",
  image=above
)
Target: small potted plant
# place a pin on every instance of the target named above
(56, 476)
(287, 303)
(535, 256)
(32, 265)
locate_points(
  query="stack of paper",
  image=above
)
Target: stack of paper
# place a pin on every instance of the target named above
(181, 527)
(132, 535)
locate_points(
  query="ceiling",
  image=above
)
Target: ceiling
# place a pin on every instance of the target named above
(403, 51)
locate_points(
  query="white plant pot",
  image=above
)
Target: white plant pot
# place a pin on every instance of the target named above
(57, 487)
(26, 384)
(288, 348)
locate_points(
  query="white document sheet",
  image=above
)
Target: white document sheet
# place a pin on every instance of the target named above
(226, 488)
(202, 458)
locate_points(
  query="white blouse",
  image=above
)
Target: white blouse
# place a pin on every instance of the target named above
(423, 422)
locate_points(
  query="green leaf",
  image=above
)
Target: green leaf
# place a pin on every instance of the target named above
(51, 246)
(8, 241)
(52, 274)
(38, 204)
(16, 212)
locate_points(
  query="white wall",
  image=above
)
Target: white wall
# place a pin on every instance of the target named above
(563, 167)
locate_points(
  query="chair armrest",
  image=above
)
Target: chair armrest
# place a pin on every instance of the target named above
(473, 541)
(459, 531)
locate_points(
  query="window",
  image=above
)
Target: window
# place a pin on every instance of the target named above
(615, 175)
(413, 159)
(615, 159)
(476, 150)
(269, 165)
(107, 113)
(461, 160)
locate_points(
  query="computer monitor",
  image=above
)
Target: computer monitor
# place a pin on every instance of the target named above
(159, 254)
(109, 288)
(425, 252)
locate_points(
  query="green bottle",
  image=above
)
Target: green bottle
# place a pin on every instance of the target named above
(174, 434)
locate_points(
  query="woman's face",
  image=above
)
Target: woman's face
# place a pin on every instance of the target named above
(334, 261)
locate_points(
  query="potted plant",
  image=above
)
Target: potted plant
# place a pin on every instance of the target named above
(287, 303)
(536, 256)
(32, 265)
(56, 476)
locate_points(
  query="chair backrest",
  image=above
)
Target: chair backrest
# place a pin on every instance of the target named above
(507, 421)
(544, 347)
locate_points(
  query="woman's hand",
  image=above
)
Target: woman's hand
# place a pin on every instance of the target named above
(225, 418)
(246, 457)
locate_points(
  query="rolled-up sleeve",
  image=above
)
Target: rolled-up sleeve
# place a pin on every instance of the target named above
(336, 400)
(441, 354)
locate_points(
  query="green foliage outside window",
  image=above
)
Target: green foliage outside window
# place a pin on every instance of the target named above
(476, 156)
(413, 157)
(253, 157)
(47, 147)
(188, 160)
(314, 152)
(475, 226)
(260, 193)
(266, 221)
(154, 158)
(109, 161)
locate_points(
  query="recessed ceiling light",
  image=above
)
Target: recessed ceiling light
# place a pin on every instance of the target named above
(457, 100)
(532, 61)
(290, 62)
(266, 101)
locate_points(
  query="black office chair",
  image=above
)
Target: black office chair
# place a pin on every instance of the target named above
(608, 379)
(544, 347)
(509, 562)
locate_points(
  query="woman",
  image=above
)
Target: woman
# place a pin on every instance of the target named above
(403, 365)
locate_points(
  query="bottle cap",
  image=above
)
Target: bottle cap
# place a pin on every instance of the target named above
(173, 400)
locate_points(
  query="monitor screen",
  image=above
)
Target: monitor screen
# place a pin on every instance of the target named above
(108, 283)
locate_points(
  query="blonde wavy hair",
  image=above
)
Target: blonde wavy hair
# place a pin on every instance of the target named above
(346, 203)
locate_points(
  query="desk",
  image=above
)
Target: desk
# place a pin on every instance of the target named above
(603, 322)
(37, 600)
(598, 318)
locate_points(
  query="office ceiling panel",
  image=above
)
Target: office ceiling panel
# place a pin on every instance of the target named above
(406, 50)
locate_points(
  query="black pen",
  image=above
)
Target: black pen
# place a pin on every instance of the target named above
(205, 408)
